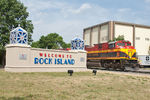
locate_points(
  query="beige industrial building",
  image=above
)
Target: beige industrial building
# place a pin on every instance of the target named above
(138, 35)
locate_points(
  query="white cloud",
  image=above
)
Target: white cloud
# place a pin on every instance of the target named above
(43, 23)
(69, 19)
(124, 10)
(68, 10)
(147, 1)
(83, 7)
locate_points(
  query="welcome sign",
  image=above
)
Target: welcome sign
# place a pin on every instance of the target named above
(57, 59)
(27, 59)
(20, 57)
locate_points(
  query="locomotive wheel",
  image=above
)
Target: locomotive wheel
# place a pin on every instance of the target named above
(122, 68)
(106, 66)
(114, 68)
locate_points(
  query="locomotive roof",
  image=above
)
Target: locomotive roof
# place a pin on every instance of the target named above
(117, 41)
(112, 42)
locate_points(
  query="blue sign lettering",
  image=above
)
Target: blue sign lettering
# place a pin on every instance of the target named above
(41, 60)
(65, 62)
(56, 61)
(72, 61)
(46, 59)
(50, 60)
(36, 61)
(69, 61)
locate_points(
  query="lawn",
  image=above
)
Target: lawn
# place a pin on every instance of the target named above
(80, 86)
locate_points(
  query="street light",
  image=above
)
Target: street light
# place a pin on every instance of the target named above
(94, 72)
(70, 72)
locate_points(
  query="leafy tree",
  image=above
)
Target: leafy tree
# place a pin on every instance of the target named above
(12, 14)
(51, 41)
(66, 45)
(120, 37)
(35, 44)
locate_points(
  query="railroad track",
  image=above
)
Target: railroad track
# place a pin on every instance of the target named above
(141, 71)
(138, 71)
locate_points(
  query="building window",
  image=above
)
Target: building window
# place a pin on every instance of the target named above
(147, 39)
(137, 38)
(105, 38)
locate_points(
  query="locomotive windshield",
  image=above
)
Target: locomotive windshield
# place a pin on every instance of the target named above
(120, 44)
(111, 45)
(128, 44)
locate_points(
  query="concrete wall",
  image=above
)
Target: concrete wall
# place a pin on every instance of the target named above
(126, 30)
(21, 58)
(142, 40)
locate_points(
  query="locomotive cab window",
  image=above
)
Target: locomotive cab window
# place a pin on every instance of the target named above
(111, 45)
(120, 44)
(128, 44)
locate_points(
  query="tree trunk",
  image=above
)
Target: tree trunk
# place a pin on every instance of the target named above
(2, 58)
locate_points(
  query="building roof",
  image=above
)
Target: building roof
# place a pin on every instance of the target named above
(119, 22)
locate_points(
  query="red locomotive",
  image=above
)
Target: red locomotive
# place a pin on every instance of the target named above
(112, 55)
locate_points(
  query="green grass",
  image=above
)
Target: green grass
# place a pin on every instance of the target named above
(80, 86)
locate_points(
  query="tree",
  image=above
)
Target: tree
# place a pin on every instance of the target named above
(51, 41)
(12, 14)
(35, 44)
(120, 37)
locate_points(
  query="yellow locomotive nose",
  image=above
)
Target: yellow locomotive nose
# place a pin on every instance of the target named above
(130, 53)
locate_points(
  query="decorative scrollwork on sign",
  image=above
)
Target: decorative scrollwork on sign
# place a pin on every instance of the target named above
(13, 37)
(18, 36)
(22, 37)
(73, 45)
(77, 44)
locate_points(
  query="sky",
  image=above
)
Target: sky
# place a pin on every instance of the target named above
(68, 18)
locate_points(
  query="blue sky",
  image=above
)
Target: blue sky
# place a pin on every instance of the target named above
(68, 18)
